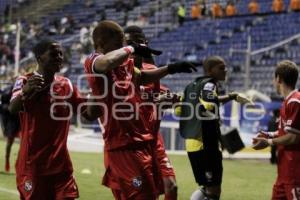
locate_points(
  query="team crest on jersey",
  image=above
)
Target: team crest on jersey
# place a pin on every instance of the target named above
(208, 175)
(209, 86)
(28, 186)
(137, 182)
(289, 122)
(18, 85)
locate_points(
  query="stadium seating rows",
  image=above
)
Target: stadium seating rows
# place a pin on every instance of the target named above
(196, 40)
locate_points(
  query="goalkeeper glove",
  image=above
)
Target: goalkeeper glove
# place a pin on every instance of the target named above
(181, 67)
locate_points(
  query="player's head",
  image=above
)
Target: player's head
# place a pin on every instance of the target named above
(135, 34)
(108, 36)
(215, 67)
(49, 55)
(286, 74)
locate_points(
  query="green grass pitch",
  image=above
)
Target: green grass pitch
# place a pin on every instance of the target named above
(242, 180)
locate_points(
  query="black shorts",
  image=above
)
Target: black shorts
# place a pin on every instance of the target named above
(11, 125)
(207, 167)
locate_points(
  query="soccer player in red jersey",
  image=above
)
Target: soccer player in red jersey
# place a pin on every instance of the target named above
(45, 102)
(128, 123)
(169, 187)
(287, 137)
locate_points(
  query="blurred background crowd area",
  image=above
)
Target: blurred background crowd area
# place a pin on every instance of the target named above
(183, 30)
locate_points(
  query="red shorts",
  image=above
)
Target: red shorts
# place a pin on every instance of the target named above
(49, 187)
(286, 192)
(132, 173)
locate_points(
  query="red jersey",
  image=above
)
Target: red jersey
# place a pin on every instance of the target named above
(44, 127)
(163, 162)
(289, 155)
(121, 127)
(154, 87)
(149, 91)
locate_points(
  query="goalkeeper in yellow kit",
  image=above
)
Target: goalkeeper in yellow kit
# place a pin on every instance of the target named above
(200, 126)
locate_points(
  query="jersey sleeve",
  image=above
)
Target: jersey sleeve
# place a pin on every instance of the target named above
(89, 64)
(163, 88)
(293, 117)
(209, 97)
(18, 86)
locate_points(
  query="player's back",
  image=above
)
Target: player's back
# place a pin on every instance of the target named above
(288, 113)
(125, 119)
(289, 155)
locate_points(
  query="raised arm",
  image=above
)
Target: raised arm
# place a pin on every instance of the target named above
(154, 75)
(112, 59)
(24, 90)
(115, 58)
(228, 97)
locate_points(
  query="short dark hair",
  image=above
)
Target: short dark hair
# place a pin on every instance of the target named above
(105, 31)
(212, 61)
(135, 32)
(288, 72)
(41, 47)
(133, 29)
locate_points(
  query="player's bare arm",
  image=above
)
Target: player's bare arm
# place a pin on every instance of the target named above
(288, 139)
(154, 75)
(112, 60)
(167, 97)
(228, 97)
(33, 85)
(263, 142)
(238, 97)
(115, 58)
(268, 134)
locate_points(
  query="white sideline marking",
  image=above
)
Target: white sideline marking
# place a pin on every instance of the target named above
(9, 191)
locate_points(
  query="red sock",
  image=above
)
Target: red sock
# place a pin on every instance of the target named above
(7, 166)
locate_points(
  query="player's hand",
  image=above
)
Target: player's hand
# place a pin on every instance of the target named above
(263, 134)
(233, 95)
(34, 84)
(143, 50)
(243, 99)
(260, 143)
(93, 110)
(181, 67)
(170, 186)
